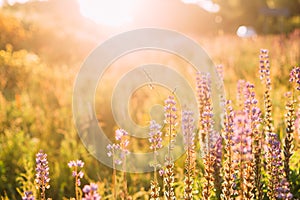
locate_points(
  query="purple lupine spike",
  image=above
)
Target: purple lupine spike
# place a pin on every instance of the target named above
(206, 121)
(75, 166)
(188, 129)
(28, 195)
(242, 136)
(264, 66)
(90, 192)
(295, 77)
(171, 124)
(121, 136)
(155, 136)
(283, 191)
(279, 184)
(118, 151)
(170, 121)
(42, 173)
(77, 174)
(206, 134)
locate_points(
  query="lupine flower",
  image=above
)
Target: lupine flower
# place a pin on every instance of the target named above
(264, 66)
(289, 138)
(207, 137)
(217, 153)
(283, 191)
(206, 122)
(28, 195)
(229, 167)
(188, 129)
(118, 151)
(113, 150)
(154, 190)
(155, 136)
(90, 192)
(254, 117)
(295, 77)
(121, 136)
(278, 186)
(75, 165)
(156, 143)
(242, 152)
(171, 124)
(42, 173)
(77, 174)
(189, 137)
(273, 156)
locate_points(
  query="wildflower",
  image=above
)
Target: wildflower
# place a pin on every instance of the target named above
(229, 167)
(112, 152)
(170, 121)
(283, 191)
(207, 137)
(171, 124)
(242, 136)
(189, 136)
(90, 192)
(156, 143)
(28, 195)
(295, 77)
(42, 173)
(118, 151)
(74, 165)
(217, 153)
(289, 138)
(155, 136)
(243, 153)
(264, 66)
(154, 188)
(254, 117)
(278, 186)
(77, 174)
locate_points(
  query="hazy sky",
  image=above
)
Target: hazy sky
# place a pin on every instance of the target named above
(121, 12)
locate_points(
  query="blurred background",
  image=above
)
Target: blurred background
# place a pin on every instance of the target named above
(43, 44)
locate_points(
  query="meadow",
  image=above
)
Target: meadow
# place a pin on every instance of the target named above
(255, 156)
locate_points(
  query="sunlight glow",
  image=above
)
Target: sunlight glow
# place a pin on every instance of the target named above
(111, 13)
(207, 5)
(12, 2)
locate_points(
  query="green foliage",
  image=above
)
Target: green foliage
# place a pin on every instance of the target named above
(26, 179)
(15, 146)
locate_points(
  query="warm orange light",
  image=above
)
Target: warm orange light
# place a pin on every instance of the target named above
(111, 13)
